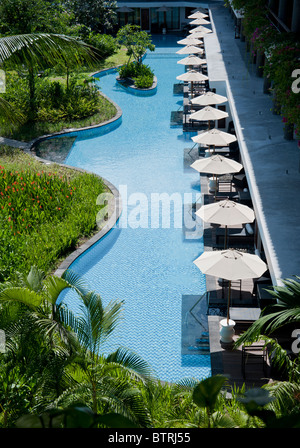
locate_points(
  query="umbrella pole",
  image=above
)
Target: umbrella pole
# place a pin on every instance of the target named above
(228, 303)
(214, 185)
(225, 240)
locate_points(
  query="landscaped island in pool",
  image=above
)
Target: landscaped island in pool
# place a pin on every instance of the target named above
(147, 259)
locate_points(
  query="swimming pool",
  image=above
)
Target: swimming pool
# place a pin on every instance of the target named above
(147, 259)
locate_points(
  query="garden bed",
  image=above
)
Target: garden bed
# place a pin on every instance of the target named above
(128, 83)
(46, 212)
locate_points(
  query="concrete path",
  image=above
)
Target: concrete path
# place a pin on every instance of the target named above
(14, 143)
(271, 162)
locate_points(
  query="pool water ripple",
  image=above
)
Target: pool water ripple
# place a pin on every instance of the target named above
(151, 269)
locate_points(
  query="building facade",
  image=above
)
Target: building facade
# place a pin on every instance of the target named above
(157, 16)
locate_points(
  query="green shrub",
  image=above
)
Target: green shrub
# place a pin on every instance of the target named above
(44, 211)
(133, 70)
(140, 73)
(56, 101)
(128, 70)
(143, 81)
(105, 44)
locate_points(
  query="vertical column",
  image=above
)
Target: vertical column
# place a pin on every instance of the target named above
(295, 28)
(272, 5)
(282, 11)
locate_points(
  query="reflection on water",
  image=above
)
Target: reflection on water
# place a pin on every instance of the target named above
(54, 149)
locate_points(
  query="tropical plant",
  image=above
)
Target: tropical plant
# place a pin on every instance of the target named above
(32, 16)
(74, 416)
(136, 41)
(53, 227)
(286, 311)
(39, 51)
(141, 74)
(106, 382)
(62, 352)
(143, 81)
(99, 15)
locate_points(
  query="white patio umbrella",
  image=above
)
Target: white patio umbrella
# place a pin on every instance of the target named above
(208, 113)
(197, 35)
(200, 21)
(216, 164)
(190, 49)
(190, 41)
(192, 76)
(124, 9)
(192, 60)
(214, 137)
(226, 213)
(230, 265)
(200, 29)
(209, 98)
(198, 15)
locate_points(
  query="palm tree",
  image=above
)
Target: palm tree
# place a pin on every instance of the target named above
(108, 383)
(43, 330)
(37, 296)
(285, 312)
(37, 51)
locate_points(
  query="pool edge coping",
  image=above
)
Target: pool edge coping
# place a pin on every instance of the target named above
(114, 211)
(115, 204)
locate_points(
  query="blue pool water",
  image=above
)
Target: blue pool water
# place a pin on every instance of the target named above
(151, 269)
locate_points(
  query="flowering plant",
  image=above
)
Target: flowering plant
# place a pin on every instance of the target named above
(282, 60)
(263, 37)
(27, 199)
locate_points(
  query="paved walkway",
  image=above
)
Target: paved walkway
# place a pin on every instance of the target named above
(14, 143)
(271, 162)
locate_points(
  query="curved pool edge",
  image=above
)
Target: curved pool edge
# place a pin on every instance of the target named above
(114, 212)
(116, 117)
(140, 92)
(114, 205)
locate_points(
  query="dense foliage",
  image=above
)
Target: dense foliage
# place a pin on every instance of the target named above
(136, 43)
(53, 373)
(98, 15)
(26, 56)
(44, 211)
(54, 100)
(141, 74)
(282, 52)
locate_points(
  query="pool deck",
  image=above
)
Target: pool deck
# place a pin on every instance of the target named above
(272, 169)
(271, 162)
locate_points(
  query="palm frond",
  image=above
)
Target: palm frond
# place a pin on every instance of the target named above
(45, 48)
(133, 363)
(286, 394)
(53, 286)
(8, 112)
(34, 279)
(98, 322)
(273, 317)
(76, 281)
(119, 396)
(22, 295)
